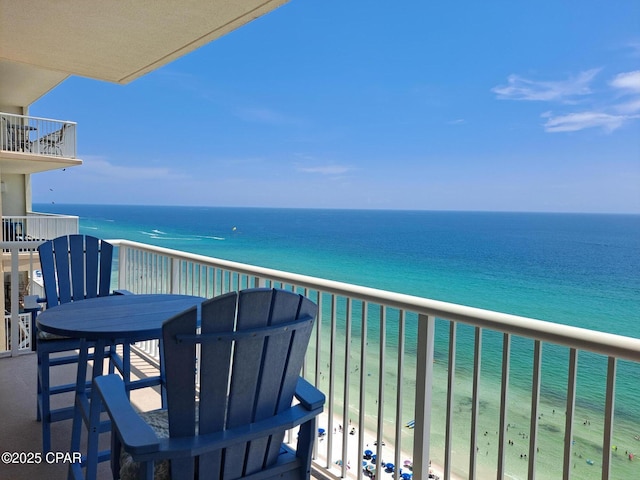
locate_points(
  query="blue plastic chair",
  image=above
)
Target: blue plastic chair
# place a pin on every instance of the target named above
(74, 267)
(226, 417)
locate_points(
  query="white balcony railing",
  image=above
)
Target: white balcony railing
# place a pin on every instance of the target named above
(373, 355)
(37, 226)
(20, 264)
(39, 136)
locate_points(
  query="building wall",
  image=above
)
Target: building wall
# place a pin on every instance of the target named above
(13, 194)
(16, 110)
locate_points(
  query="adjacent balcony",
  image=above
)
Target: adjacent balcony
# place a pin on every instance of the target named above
(37, 226)
(20, 268)
(34, 144)
(424, 385)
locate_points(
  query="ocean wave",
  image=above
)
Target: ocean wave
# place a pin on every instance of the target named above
(210, 237)
(171, 238)
(163, 236)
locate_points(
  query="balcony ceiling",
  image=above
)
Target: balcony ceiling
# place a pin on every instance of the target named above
(45, 41)
(21, 163)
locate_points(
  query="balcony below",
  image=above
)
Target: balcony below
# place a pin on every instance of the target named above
(37, 226)
(34, 144)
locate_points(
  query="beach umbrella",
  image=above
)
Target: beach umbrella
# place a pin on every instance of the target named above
(406, 476)
(321, 431)
(390, 467)
(407, 463)
(368, 453)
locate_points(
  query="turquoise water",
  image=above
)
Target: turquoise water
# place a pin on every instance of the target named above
(574, 269)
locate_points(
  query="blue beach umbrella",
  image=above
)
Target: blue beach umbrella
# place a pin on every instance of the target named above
(368, 453)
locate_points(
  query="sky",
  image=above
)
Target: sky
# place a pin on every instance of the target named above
(421, 105)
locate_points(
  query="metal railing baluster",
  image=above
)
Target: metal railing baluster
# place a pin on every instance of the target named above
(363, 379)
(399, 394)
(535, 406)
(504, 403)
(382, 357)
(475, 403)
(451, 380)
(608, 418)
(346, 417)
(571, 405)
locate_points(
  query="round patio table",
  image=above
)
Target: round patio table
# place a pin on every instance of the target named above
(106, 321)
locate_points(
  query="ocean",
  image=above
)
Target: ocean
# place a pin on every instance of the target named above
(574, 269)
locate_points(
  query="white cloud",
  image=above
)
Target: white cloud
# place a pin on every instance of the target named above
(635, 48)
(628, 85)
(97, 167)
(325, 170)
(627, 81)
(574, 122)
(520, 88)
(604, 112)
(630, 107)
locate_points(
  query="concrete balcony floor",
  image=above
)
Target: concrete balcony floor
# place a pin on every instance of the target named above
(19, 430)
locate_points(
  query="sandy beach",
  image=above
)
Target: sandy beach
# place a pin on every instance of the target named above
(355, 458)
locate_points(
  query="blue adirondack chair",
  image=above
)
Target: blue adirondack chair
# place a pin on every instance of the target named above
(74, 267)
(227, 417)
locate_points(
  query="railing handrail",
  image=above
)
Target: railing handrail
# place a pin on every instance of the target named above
(38, 118)
(41, 214)
(574, 337)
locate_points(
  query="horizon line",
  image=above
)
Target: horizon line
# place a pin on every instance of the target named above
(340, 209)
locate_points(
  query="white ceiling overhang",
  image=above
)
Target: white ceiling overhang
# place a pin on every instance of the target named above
(44, 41)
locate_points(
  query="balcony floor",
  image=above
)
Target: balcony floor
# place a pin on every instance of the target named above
(19, 430)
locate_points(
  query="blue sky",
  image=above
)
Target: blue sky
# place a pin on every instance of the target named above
(506, 106)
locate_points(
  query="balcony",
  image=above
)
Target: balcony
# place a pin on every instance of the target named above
(20, 265)
(37, 226)
(418, 381)
(33, 144)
